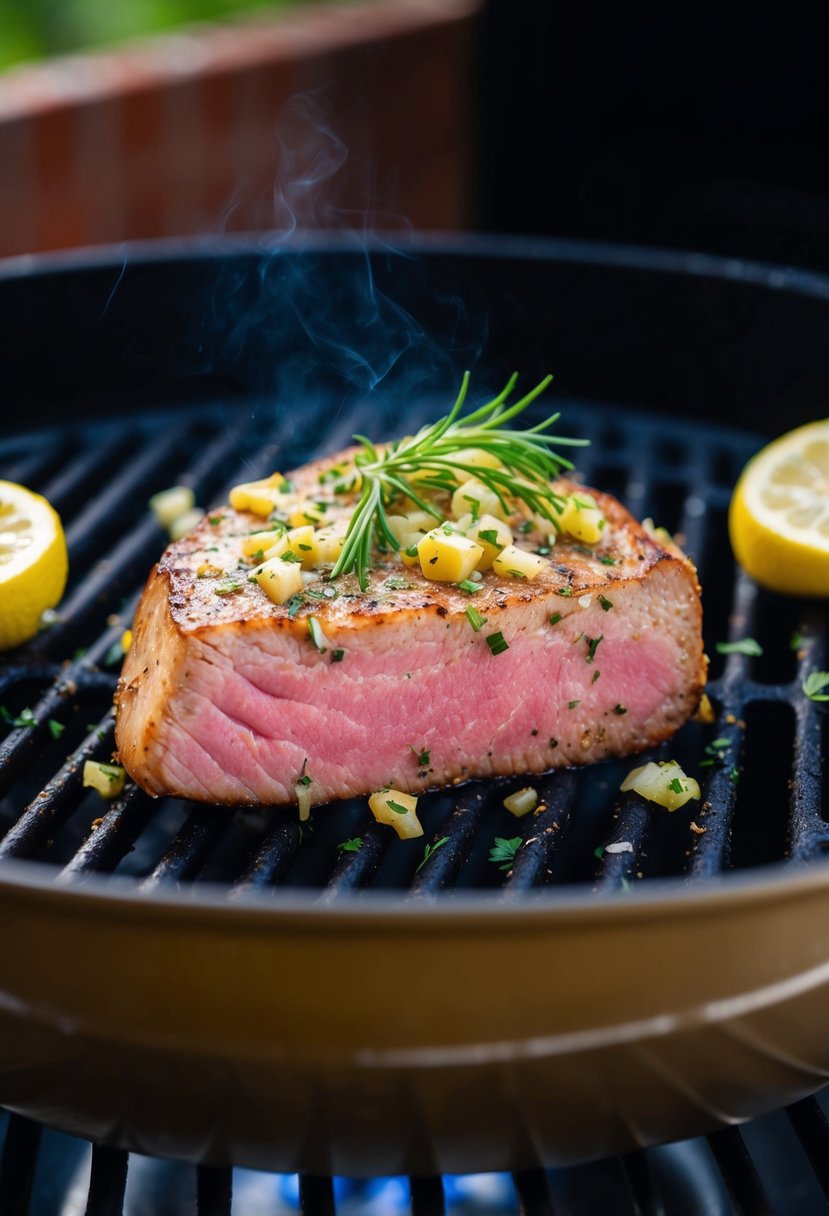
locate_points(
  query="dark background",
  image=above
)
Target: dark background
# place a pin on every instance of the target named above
(677, 126)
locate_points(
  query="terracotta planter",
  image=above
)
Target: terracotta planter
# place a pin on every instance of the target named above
(324, 116)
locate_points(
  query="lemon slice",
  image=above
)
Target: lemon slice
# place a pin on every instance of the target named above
(778, 520)
(33, 562)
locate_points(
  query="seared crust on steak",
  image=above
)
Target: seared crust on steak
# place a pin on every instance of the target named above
(225, 697)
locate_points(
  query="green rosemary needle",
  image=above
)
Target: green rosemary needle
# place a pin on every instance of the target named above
(527, 466)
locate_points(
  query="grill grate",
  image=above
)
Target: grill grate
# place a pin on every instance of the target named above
(100, 476)
(775, 1165)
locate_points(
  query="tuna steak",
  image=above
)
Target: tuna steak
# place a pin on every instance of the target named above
(229, 698)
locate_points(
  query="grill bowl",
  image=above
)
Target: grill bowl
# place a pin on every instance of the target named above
(173, 1000)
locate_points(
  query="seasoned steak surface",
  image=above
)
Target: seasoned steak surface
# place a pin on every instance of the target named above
(227, 697)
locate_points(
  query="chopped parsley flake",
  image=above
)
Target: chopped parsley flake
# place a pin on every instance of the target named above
(423, 757)
(607, 560)
(468, 586)
(24, 718)
(431, 849)
(305, 779)
(814, 684)
(593, 646)
(502, 853)
(555, 618)
(676, 786)
(396, 807)
(497, 643)
(572, 704)
(565, 591)
(490, 536)
(350, 846)
(214, 519)
(605, 603)
(56, 729)
(337, 656)
(620, 709)
(746, 646)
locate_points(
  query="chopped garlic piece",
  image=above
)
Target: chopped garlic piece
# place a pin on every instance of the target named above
(185, 523)
(326, 545)
(477, 458)
(474, 498)
(258, 496)
(279, 579)
(108, 779)
(664, 783)
(447, 557)
(582, 518)
(168, 505)
(311, 513)
(398, 810)
(513, 562)
(261, 542)
(491, 533)
(522, 802)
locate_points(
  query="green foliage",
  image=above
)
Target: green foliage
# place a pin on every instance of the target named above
(36, 29)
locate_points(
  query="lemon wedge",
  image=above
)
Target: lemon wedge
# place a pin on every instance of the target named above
(33, 562)
(778, 520)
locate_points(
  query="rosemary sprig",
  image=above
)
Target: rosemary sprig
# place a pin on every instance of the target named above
(527, 466)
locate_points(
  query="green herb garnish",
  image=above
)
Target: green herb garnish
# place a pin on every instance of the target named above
(620, 709)
(564, 591)
(814, 685)
(431, 849)
(396, 807)
(25, 718)
(593, 646)
(474, 617)
(676, 786)
(316, 634)
(526, 466)
(746, 646)
(350, 846)
(555, 618)
(469, 586)
(605, 603)
(56, 729)
(502, 853)
(496, 643)
(337, 656)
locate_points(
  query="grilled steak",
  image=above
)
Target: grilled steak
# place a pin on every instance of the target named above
(228, 697)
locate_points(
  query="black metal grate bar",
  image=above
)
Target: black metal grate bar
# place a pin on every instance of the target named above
(548, 827)
(111, 836)
(192, 845)
(107, 1182)
(643, 1192)
(214, 1190)
(316, 1196)
(812, 1128)
(428, 1196)
(17, 1169)
(739, 1173)
(533, 1191)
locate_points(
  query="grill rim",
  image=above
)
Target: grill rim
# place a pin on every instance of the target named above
(777, 881)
